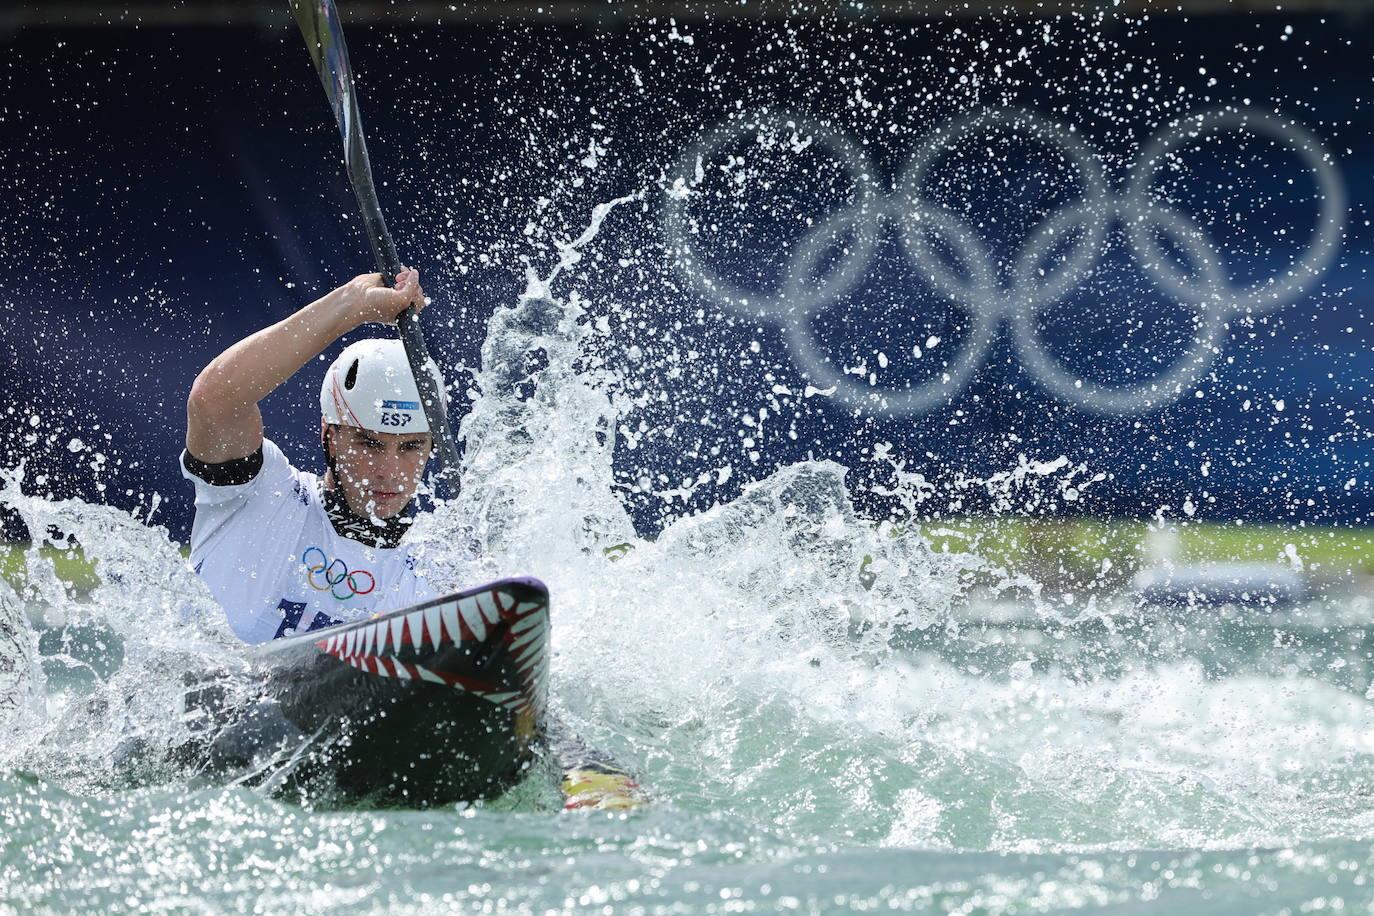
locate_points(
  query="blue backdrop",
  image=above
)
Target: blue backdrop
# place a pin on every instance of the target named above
(1140, 244)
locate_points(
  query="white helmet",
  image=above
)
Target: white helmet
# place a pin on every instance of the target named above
(370, 386)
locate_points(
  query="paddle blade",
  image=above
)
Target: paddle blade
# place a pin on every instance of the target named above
(323, 33)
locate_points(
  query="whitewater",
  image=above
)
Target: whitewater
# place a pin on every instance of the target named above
(817, 710)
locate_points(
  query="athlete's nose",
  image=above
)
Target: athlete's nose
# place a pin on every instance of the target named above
(396, 467)
(389, 467)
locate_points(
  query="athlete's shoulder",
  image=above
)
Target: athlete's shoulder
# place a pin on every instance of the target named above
(279, 476)
(274, 459)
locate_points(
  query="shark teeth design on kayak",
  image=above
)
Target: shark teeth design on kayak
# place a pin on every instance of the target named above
(449, 613)
(425, 674)
(434, 625)
(524, 623)
(489, 609)
(472, 616)
(533, 632)
(374, 647)
(416, 622)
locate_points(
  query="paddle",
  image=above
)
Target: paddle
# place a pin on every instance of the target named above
(590, 780)
(323, 33)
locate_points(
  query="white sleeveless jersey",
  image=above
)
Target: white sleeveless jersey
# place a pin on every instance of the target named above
(274, 562)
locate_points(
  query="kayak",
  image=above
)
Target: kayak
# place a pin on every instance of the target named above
(440, 702)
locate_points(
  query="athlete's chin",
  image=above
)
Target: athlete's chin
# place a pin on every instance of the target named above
(385, 505)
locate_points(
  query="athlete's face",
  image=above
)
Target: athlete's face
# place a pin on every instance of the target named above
(378, 472)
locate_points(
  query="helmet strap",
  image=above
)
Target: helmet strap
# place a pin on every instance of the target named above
(330, 464)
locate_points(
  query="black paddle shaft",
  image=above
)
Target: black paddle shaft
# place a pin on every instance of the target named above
(323, 32)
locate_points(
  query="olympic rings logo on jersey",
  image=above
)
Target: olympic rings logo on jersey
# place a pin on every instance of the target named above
(1056, 256)
(335, 573)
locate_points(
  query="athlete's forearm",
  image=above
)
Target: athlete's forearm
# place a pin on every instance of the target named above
(223, 421)
(256, 366)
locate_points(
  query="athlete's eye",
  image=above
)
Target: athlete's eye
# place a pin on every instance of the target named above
(411, 446)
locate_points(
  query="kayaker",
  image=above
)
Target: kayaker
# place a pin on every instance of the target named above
(283, 550)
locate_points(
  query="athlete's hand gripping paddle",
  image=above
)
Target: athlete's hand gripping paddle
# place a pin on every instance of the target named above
(323, 32)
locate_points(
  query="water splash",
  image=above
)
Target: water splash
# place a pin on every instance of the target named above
(570, 253)
(98, 670)
(776, 659)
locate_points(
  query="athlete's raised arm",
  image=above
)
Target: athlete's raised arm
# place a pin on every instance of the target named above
(223, 421)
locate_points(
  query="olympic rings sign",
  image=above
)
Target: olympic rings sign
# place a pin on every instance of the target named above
(1057, 255)
(326, 575)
